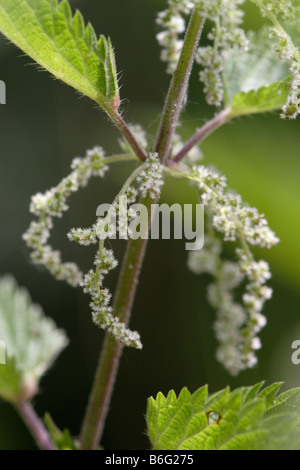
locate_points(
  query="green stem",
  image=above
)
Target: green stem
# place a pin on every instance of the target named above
(107, 369)
(178, 87)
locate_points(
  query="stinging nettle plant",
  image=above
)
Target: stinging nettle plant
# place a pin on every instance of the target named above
(241, 73)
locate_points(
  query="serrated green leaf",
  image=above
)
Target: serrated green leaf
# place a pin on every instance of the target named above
(269, 393)
(254, 80)
(32, 341)
(265, 99)
(60, 43)
(242, 420)
(284, 432)
(249, 393)
(216, 401)
(287, 402)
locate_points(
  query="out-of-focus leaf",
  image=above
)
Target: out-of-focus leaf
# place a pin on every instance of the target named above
(265, 99)
(255, 81)
(32, 342)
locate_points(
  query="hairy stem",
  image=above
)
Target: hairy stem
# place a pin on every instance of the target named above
(107, 369)
(178, 87)
(202, 133)
(126, 132)
(35, 425)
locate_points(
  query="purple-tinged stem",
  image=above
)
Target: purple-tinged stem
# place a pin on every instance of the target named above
(35, 425)
(125, 130)
(202, 133)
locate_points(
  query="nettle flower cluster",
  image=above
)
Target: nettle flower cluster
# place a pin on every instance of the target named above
(173, 22)
(150, 179)
(225, 34)
(237, 324)
(104, 262)
(53, 203)
(283, 11)
(102, 312)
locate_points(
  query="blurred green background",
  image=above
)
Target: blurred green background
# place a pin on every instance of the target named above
(42, 127)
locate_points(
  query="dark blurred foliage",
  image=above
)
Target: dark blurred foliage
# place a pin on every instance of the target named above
(42, 127)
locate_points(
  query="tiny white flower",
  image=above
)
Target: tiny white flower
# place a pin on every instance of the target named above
(151, 178)
(256, 343)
